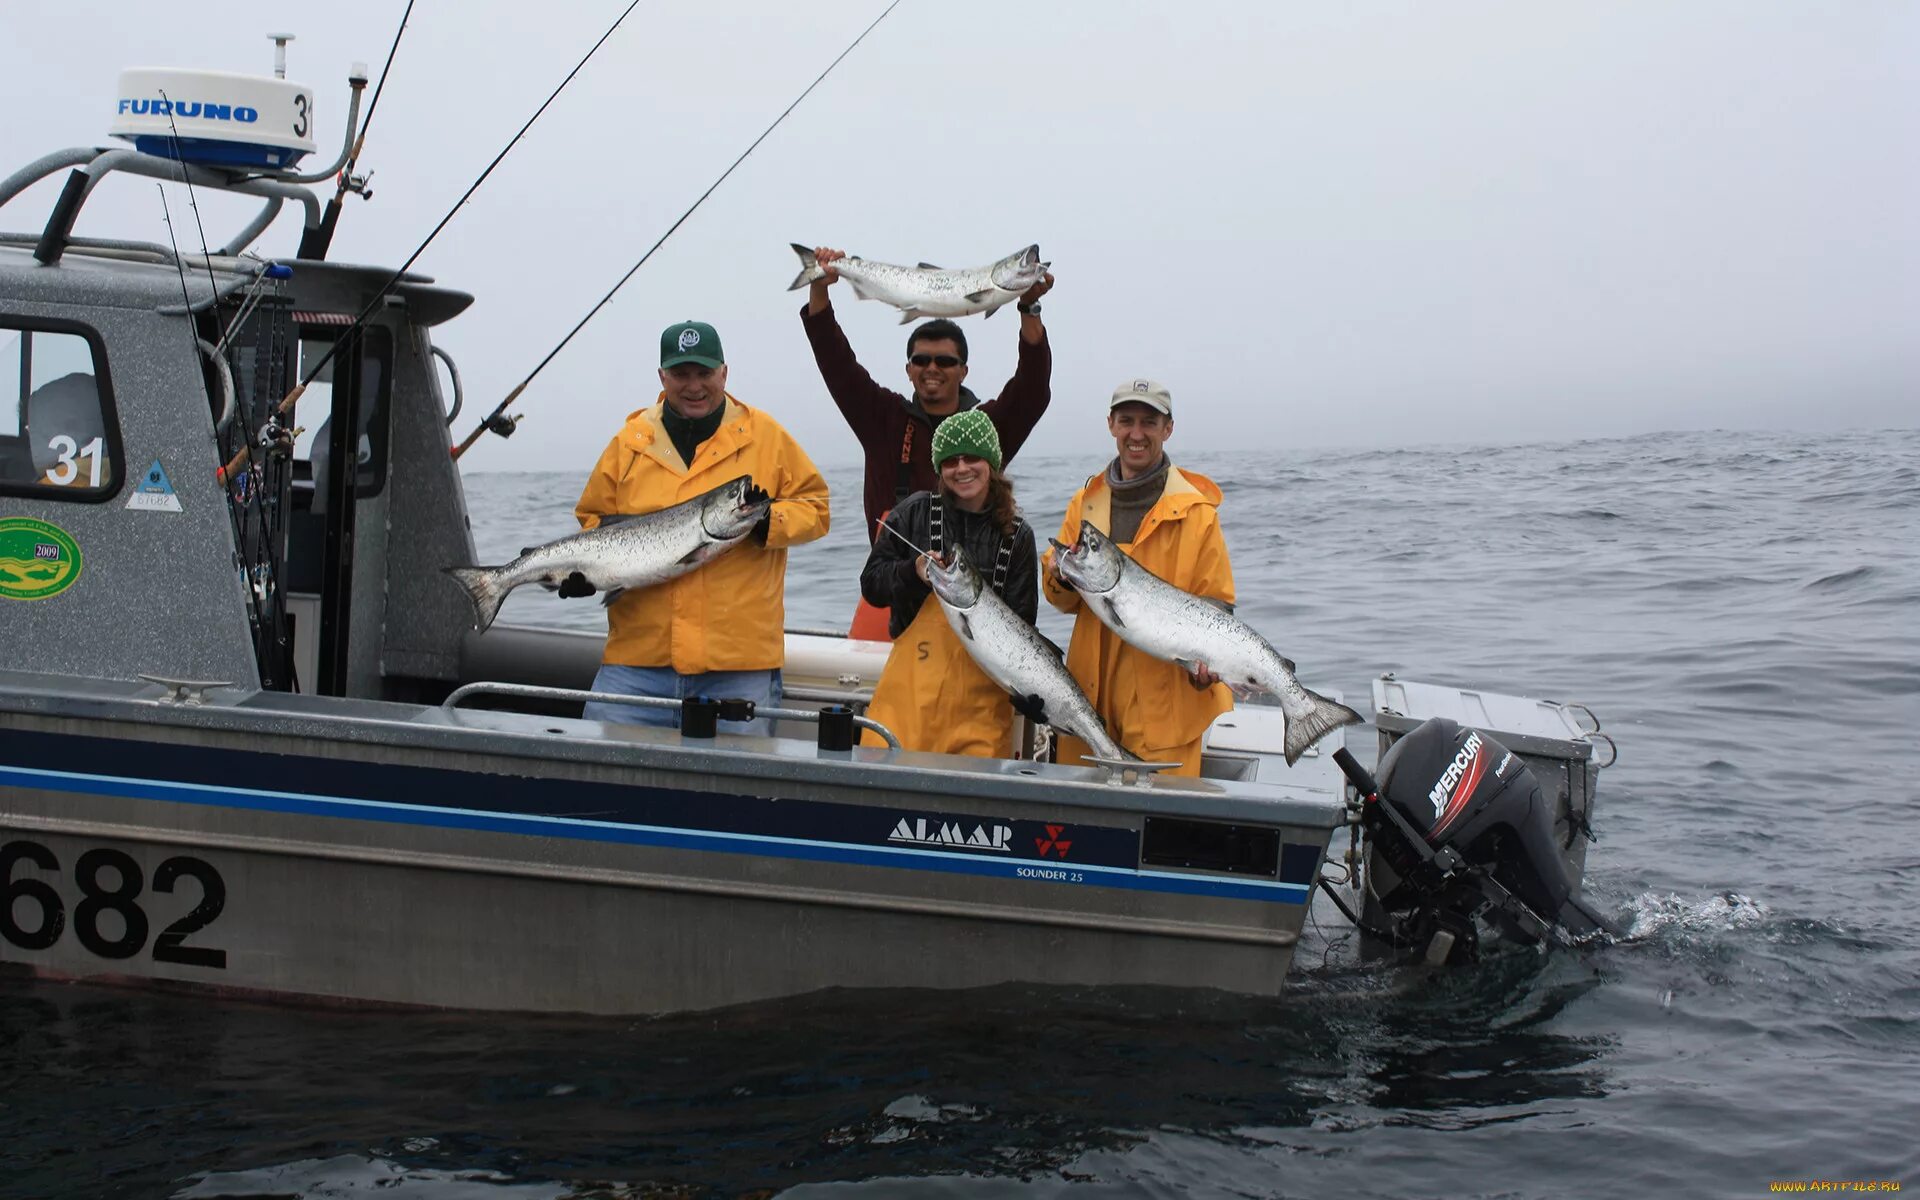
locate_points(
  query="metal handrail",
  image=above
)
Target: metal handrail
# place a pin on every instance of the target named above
(459, 393)
(225, 375)
(534, 692)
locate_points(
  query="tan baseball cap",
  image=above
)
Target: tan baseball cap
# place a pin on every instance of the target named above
(1143, 391)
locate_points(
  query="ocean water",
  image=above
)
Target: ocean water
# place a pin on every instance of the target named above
(1742, 611)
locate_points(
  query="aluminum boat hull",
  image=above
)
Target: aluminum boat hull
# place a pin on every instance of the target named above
(387, 853)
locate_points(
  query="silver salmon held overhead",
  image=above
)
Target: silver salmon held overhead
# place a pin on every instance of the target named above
(636, 552)
(1152, 615)
(927, 290)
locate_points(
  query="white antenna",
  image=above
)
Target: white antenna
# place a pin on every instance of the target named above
(280, 41)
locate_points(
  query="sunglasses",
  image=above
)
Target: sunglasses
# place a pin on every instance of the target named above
(944, 360)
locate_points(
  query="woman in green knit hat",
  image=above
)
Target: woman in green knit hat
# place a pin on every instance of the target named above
(932, 695)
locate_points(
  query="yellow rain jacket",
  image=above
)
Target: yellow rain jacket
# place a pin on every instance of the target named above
(931, 693)
(729, 615)
(1148, 704)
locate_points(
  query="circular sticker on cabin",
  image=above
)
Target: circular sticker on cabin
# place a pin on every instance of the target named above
(37, 560)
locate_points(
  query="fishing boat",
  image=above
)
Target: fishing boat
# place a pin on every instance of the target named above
(250, 743)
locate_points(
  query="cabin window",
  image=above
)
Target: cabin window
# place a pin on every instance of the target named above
(316, 411)
(58, 436)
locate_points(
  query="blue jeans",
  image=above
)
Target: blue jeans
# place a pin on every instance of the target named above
(761, 687)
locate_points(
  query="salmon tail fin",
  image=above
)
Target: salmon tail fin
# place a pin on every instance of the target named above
(809, 267)
(483, 588)
(1322, 717)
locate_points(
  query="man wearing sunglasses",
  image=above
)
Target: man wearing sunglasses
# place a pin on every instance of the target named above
(896, 431)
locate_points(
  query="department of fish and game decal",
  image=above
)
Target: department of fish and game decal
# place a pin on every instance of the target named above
(37, 560)
(154, 492)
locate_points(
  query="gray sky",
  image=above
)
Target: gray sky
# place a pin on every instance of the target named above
(1353, 224)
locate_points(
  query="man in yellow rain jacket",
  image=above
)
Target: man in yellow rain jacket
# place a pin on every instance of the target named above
(1168, 521)
(719, 630)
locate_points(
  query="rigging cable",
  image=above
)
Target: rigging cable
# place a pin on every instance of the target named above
(292, 397)
(494, 419)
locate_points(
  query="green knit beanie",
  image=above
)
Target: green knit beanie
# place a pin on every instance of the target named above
(970, 432)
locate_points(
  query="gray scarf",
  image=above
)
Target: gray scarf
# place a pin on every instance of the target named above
(1134, 498)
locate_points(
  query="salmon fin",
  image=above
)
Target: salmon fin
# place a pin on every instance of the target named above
(483, 589)
(1113, 614)
(1323, 716)
(911, 315)
(1288, 664)
(996, 308)
(858, 291)
(966, 628)
(977, 297)
(695, 555)
(1053, 646)
(809, 268)
(927, 266)
(610, 595)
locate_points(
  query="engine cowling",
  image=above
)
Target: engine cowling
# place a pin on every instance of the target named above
(1482, 816)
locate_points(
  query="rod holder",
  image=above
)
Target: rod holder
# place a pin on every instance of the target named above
(836, 727)
(699, 716)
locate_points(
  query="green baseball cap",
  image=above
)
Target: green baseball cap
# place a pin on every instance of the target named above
(691, 342)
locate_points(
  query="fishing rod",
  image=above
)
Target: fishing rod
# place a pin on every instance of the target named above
(497, 420)
(929, 555)
(292, 397)
(314, 243)
(193, 339)
(261, 581)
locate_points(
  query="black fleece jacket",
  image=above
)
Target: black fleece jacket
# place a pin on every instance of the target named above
(889, 581)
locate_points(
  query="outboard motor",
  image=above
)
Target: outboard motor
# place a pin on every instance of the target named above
(1465, 826)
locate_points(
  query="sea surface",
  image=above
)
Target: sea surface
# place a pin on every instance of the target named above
(1742, 611)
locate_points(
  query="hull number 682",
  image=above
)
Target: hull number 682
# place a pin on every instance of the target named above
(33, 916)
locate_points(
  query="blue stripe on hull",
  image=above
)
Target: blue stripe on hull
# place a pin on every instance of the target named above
(911, 858)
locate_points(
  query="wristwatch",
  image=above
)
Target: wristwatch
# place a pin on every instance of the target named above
(1026, 309)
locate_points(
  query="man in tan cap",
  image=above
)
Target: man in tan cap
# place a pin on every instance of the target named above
(1167, 520)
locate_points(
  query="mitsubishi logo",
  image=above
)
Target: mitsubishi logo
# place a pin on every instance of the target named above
(1052, 843)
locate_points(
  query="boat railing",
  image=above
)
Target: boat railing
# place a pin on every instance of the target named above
(94, 163)
(698, 713)
(102, 161)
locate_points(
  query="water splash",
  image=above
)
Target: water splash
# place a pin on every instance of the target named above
(1653, 912)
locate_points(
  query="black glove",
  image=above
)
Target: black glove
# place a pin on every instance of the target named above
(757, 494)
(759, 532)
(575, 585)
(1032, 707)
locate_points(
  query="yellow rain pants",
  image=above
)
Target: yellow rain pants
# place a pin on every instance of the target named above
(936, 698)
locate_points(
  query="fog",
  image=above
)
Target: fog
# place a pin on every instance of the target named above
(1369, 224)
